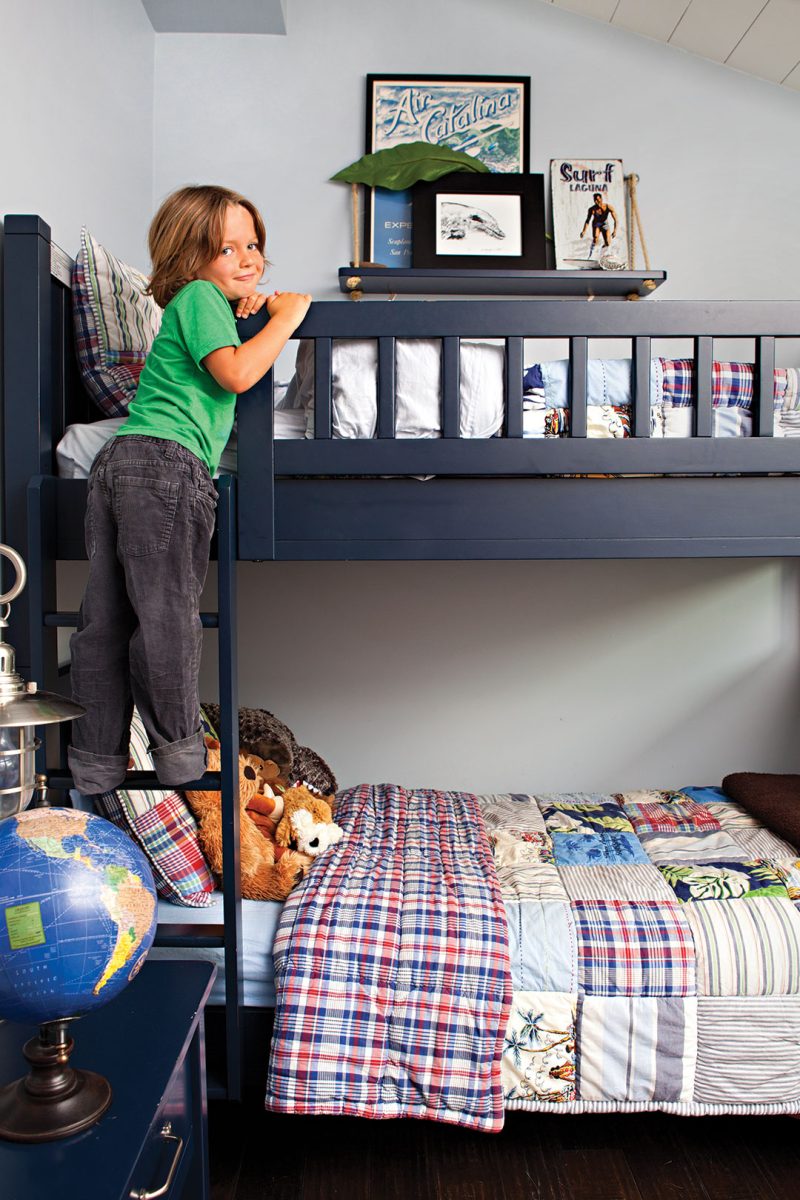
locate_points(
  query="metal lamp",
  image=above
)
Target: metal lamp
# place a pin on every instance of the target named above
(22, 707)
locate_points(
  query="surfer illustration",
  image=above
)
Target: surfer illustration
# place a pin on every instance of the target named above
(598, 217)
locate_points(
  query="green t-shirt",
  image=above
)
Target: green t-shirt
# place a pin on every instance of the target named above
(177, 398)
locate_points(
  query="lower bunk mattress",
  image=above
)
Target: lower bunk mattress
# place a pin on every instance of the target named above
(652, 942)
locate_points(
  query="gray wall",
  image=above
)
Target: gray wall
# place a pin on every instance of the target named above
(482, 676)
(76, 118)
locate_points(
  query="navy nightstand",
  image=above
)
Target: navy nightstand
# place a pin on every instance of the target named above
(153, 1140)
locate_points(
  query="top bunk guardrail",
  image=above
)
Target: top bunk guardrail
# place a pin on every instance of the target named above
(514, 321)
(504, 496)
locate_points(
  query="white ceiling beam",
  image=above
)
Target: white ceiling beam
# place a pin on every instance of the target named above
(652, 18)
(211, 16)
(771, 46)
(713, 28)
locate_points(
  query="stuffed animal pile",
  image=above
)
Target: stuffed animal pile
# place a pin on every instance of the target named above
(264, 735)
(282, 828)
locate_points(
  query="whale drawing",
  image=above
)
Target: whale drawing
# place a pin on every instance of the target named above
(456, 220)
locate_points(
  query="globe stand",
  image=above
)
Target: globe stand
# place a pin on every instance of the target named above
(53, 1100)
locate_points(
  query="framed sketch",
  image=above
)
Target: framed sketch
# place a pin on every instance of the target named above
(589, 218)
(484, 115)
(480, 221)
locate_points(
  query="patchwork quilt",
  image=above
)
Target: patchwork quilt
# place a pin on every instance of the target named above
(655, 953)
(457, 955)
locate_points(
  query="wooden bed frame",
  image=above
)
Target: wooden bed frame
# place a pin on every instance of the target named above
(322, 499)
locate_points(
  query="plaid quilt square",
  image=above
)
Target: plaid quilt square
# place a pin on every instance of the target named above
(667, 812)
(633, 948)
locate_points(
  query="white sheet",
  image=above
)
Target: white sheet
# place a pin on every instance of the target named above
(80, 444)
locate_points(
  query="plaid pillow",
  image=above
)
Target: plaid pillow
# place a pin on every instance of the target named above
(163, 825)
(115, 324)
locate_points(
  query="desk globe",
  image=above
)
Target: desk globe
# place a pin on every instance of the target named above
(78, 918)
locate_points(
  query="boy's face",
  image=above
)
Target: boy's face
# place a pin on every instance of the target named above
(239, 265)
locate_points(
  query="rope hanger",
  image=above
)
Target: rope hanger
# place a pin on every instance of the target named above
(635, 225)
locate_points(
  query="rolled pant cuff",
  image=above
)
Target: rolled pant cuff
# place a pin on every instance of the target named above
(95, 773)
(180, 762)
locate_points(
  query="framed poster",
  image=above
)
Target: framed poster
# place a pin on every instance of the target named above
(486, 116)
(480, 221)
(589, 218)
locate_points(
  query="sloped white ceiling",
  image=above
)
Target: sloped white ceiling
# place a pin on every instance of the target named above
(761, 37)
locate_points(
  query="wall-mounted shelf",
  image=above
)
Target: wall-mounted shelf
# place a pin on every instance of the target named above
(599, 284)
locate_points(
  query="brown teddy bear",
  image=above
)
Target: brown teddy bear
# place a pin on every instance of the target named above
(265, 876)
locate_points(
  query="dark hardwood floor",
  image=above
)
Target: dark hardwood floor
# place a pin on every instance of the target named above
(258, 1156)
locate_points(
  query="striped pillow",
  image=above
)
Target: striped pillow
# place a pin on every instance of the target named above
(115, 324)
(163, 825)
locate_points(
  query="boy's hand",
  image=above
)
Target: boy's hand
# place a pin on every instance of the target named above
(289, 306)
(250, 304)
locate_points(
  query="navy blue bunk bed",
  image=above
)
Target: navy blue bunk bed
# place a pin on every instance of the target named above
(329, 499)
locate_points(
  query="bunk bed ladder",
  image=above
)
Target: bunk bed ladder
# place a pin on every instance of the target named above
(45, 620)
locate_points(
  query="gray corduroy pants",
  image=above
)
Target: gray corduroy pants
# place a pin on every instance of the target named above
(149, 520)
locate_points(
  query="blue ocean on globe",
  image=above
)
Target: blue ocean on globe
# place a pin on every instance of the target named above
(77, 913)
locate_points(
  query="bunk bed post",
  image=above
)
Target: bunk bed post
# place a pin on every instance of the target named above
(514, 371)
(451, 387)
(29, 385)
(229, 767)
(40, 557)
(642, 351)
(323, 363)
(256, 461)
(386, 387)
(703, 387)
(578, 385)
(764, 389)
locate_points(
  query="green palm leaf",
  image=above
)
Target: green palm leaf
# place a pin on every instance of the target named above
(399, 167)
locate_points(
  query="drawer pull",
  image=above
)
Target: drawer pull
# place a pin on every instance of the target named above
(168, 1136)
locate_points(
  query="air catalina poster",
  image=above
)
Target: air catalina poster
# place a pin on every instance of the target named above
(589, 220)
(485, 116)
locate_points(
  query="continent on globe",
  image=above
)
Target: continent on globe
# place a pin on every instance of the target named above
(77, 913)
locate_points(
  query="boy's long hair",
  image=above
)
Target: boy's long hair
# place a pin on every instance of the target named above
(187, 233)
